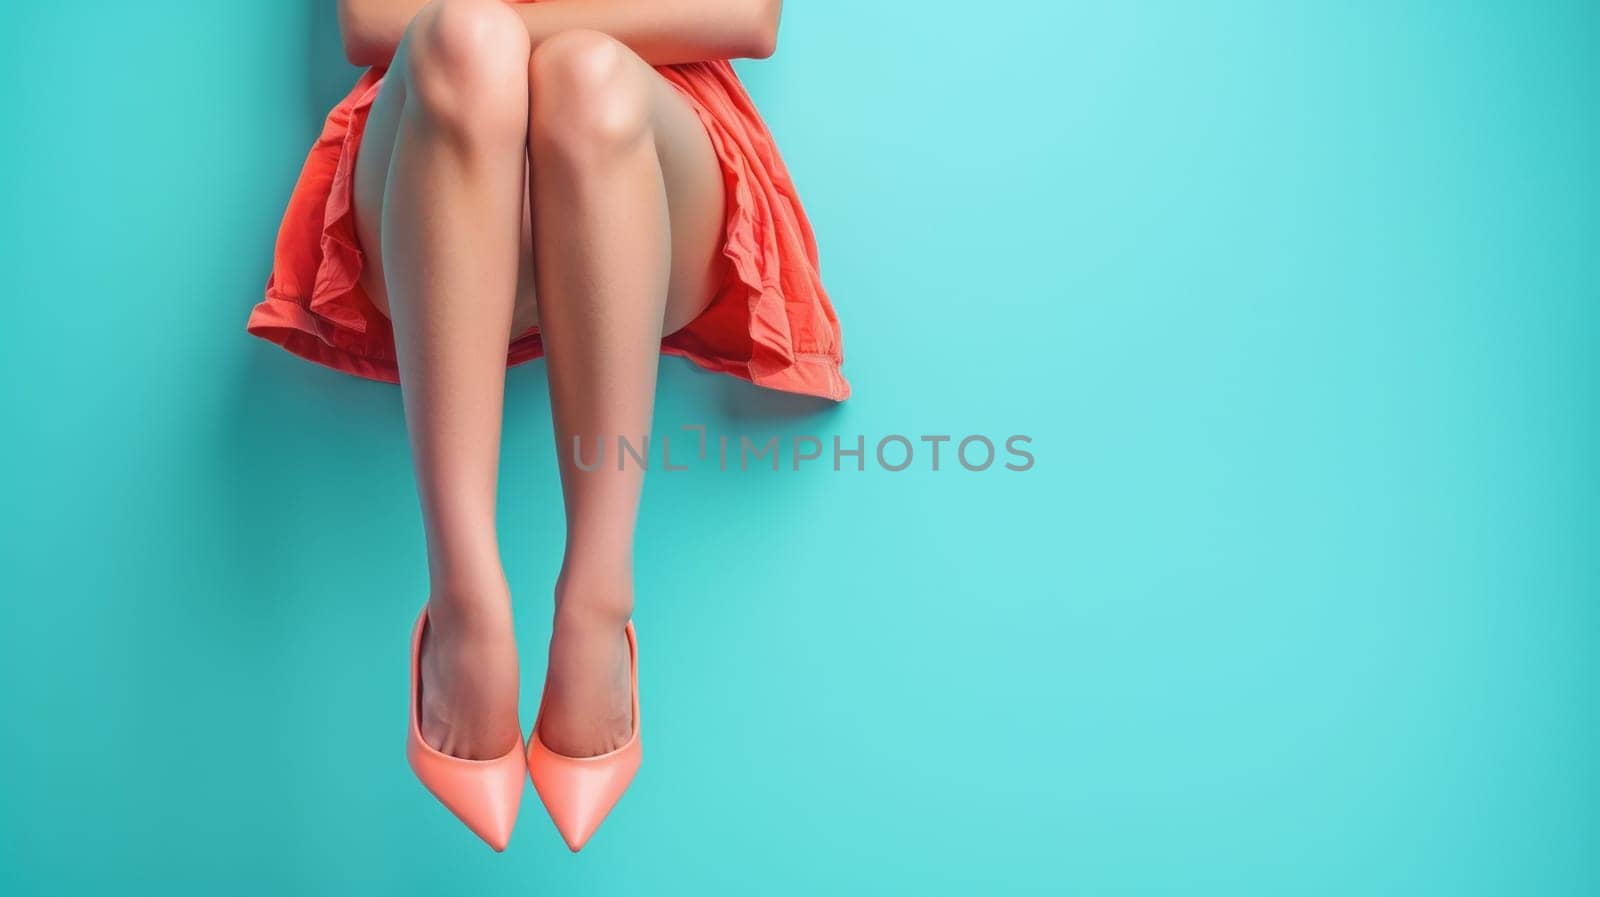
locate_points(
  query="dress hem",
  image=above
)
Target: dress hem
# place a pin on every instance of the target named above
(287, 323)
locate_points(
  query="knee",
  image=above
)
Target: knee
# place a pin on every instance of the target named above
(465, 62)
(588, 95)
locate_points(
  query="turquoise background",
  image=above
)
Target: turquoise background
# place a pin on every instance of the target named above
(1297, 301)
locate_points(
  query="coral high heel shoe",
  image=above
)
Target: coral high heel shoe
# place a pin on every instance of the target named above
(580, 791)
(484, 794)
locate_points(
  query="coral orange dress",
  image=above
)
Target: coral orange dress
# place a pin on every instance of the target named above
(770, 322)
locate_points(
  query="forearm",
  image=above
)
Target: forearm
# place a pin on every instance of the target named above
(662, 32)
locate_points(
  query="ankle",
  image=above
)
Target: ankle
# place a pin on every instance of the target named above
(483, 601)
(593, 602)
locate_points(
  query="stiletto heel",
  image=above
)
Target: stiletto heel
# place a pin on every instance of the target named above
(483, 794)
(579, 791)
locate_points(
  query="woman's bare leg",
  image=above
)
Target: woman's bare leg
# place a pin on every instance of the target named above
(444, 212)
(628, 209)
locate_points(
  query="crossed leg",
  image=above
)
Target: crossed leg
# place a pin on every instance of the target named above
(501, 185)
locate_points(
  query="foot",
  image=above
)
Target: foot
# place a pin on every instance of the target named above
(588, 699)
(469, 676)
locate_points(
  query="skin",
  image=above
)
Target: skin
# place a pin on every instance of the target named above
(525, 164)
